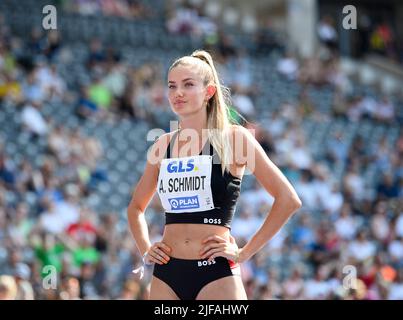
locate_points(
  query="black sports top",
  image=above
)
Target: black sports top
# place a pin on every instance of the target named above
(193, 189)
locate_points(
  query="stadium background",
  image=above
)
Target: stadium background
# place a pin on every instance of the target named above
(76, 104)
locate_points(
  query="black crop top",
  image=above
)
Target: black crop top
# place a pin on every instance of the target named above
(193, 192)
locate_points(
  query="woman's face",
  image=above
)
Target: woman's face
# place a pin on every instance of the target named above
(186, 91)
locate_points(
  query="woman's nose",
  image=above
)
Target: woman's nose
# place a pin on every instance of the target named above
(178, 93)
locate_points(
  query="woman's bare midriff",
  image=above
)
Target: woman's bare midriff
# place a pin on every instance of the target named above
(185, 240)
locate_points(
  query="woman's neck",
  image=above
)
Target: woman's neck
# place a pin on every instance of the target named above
(196, 123)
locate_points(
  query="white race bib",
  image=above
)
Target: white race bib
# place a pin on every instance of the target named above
(184, 184)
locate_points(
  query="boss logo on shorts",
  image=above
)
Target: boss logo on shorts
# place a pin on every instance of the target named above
(184, 203)
(205, 263)
(212, 221)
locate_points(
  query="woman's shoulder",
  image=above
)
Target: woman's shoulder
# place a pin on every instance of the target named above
(160, 146)
(236, 127)
(242, 138)
(238, 130)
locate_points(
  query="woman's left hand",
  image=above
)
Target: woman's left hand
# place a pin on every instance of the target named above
(215, 246)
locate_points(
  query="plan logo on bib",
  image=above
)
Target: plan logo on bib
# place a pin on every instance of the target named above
(184, 203)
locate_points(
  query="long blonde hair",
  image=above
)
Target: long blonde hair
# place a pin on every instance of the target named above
(218, 120)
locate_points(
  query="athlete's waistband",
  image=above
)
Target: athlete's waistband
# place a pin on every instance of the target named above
(202, 262)
(214, 216)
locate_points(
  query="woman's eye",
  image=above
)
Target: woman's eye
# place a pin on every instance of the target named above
(189, 84)
(171, 87)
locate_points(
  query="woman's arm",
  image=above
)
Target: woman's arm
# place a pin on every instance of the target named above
(143, 193)
(249, 153)
(286, 200)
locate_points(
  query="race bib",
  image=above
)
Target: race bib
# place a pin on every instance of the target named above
(184, 184)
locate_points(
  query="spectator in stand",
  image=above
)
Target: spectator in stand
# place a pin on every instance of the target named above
(327, 32)
(385, 112)
(33, 121)
(288, 66)
(7, 174)
(396, 288)
(8, 288)
(22, 277)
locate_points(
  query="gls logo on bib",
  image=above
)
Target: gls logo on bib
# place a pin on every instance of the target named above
(181, 166)
(184, 203)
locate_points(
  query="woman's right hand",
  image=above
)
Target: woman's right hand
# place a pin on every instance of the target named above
(158, 253)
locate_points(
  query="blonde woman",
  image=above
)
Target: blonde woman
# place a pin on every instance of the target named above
(197, 172)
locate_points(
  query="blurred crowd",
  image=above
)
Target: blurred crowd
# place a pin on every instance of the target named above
(375, 34)
(116, 8)
(345, 243)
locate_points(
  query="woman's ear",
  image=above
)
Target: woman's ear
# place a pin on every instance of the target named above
(210, 91)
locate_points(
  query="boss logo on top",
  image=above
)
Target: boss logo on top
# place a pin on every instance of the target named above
(184, 184)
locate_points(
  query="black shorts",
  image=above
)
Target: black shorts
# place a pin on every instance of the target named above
(187, 277)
